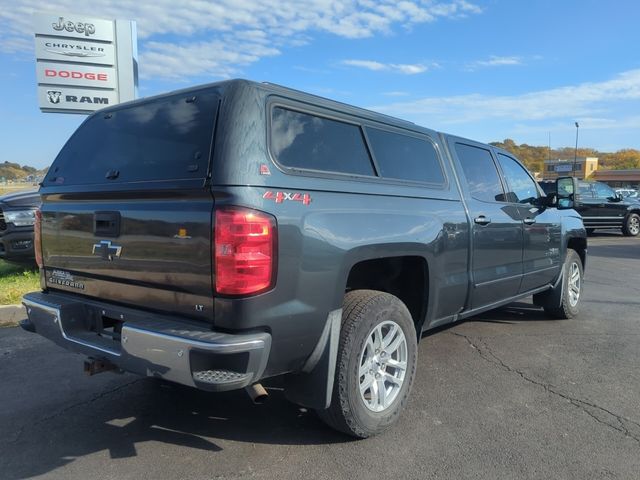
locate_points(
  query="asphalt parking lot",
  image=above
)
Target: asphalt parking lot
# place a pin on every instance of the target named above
(509, 394)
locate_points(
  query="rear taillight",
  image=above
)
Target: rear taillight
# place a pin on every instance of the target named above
(245, 251)
(37, 238)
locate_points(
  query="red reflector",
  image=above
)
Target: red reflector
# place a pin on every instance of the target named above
(244, 251)
(37, 238)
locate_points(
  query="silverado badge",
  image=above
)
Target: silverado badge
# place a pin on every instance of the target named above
(65, 279)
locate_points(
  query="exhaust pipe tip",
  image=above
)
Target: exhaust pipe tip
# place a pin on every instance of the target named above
(257, 393)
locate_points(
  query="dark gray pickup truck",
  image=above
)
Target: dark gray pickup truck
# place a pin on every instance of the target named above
(224, 234)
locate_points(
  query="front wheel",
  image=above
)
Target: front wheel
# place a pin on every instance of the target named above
(564, 302)
(631, 226)
(376, 364)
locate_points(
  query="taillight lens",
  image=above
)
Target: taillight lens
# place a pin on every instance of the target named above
(37, 238)
(245, 251)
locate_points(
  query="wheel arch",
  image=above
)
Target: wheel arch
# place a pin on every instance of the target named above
(579, 244)
(404, 276)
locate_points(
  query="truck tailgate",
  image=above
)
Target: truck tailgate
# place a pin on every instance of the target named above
(153, 253)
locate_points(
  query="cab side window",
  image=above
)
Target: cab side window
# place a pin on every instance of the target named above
(521, 187)
(603, 191)
(405, 157)
(480, 172)
(585, 190)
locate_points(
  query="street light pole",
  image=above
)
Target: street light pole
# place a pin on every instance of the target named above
(575, 154)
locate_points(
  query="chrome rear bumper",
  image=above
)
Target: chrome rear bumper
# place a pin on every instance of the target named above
(148, 344)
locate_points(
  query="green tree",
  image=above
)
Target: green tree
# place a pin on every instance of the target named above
(622, 159)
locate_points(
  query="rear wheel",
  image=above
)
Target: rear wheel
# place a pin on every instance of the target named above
(631, 226)
(376, 364)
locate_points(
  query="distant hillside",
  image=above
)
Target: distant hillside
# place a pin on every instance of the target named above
(15, 171)
(534, 157)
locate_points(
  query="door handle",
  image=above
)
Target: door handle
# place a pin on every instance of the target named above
(529, 221)
(482, 220)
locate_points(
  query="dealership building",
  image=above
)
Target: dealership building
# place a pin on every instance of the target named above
(586, 168)
(619, 178)
(582, 167)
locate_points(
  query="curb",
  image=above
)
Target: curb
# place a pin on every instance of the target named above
(11, 315)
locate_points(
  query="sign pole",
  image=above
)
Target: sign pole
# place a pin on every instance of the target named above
(127, 57)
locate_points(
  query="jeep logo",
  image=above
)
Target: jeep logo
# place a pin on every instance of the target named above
(86, 28)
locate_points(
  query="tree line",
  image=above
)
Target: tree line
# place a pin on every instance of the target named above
(15, 171)
(533, 157)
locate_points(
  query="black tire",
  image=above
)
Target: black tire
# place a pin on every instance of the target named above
(559, 303)
(631, 227)
(362, 312)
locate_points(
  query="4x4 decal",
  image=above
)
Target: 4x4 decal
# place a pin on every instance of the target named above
(280, 197)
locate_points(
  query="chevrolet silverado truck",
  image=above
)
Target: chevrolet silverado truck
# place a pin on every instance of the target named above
(17, 217)
(225, 234)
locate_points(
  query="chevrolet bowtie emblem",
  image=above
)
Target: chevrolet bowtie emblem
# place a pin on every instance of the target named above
(106, 250)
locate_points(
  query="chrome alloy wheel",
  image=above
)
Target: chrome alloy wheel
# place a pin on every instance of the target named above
(634, 225)
(574, 284)
(383, 366)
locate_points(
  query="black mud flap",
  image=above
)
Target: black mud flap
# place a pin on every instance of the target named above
(553, 296)
(313, 386)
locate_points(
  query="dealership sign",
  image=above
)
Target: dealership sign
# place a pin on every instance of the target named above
(84, 64)
(68, 50)
(564, 167)
(75, 99)
(76, 75)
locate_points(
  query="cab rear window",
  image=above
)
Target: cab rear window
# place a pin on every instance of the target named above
(303, 141)
(168, 138)
(405, 157)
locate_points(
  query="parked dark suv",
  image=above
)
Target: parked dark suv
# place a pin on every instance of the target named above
(602, 207)
(17, 215)
(237, 231)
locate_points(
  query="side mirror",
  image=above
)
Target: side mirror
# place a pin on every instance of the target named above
(566, 188)
(565, 203)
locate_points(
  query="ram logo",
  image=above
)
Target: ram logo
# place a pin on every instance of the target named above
(54, 96)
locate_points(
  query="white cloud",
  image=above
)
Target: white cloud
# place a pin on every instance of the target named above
(368, 64)
(407, 69)
(495, 61)
(396, 93)
(582, 100)
(239, 32)
(175, 62)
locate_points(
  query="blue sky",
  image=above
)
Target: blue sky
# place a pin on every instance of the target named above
(487, 70)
